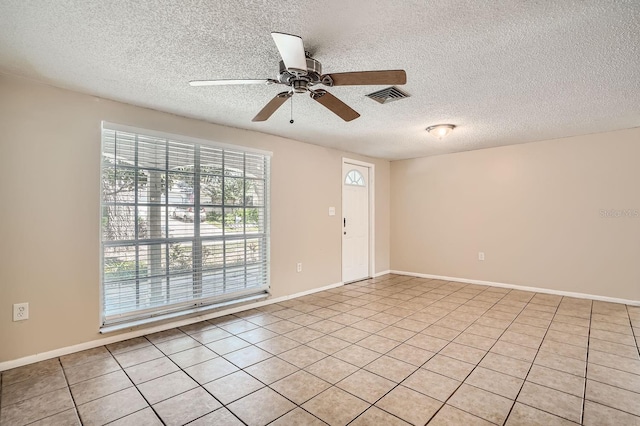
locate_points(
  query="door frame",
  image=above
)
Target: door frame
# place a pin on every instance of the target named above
(372, 217)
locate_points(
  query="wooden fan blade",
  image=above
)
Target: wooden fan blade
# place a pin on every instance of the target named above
(229, 82)
(272, 106)
(335, 105)
(291, 50)
(358, 78)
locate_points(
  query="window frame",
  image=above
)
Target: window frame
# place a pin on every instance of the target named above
(191, 306)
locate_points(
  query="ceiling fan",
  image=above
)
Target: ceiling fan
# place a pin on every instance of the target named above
(302, 73)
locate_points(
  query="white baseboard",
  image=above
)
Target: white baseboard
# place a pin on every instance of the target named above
(524, 288)
(7, 365)
(378, 274)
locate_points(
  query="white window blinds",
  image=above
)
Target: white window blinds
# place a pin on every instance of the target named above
(184, 224)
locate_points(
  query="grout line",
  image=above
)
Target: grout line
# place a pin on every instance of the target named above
(586, 368)
(633, 332)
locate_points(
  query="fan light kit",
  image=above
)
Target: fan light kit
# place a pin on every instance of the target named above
(301, 73)
(441, 131)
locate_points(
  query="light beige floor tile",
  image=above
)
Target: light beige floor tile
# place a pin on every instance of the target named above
(150, 370)
(463, 353)
(210, 370)
(245, 357)
(165, 387)
(304, 335)
(326, 326)
(36, 408)
(233, 386)
(177, 345)
(138, 356)
(210, 335)
(35, 386)
(481, 403)
(411, 354)
(357, 355)
(371, 326)
(298, 417)
(83, 357)
(128, 345)
(185, 407)
(331, 369)
(270, 370)
(552, 401)
(614, 377)
(227, 345)
(493, 381)
(409, 405)
(441, 332)
(241, 326)
(261, 407)
(378, 343)
(449, 367)
(65, 418)
(514, 351)
(278, 344)
(432, 384)
(193, 356)
(350, 334)
(100, 386)
(563, 349)
(257, 335)
(365, 385)
(561, 363)
(163, 336)
(450, 416)
(302, 356)
(328, 344)
(428, 343)
(527, 340)
(91, 369)
(391, 368)
(219, 417)
(507, 365)
(396, 333)
(299, 387)
(613, 348)
(525, 415)
(282, 327)
(613, 397)
(571, 339)
(145, 417)
(376, 416)
(598, 415)
(26, 372)
(614, 361)
(335, 406)
(558, 380)
(111, 407)
(475, 341)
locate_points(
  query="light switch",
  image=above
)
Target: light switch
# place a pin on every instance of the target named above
(332, 211)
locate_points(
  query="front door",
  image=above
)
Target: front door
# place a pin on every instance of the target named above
(355, 222)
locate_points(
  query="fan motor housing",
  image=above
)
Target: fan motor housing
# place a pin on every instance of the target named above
(314, 72)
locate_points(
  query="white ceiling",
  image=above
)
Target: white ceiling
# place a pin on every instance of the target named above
(504, 72)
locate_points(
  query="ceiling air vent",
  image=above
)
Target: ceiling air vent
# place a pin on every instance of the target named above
(387, 95)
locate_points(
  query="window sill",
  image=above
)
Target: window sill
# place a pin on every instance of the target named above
(110, 328)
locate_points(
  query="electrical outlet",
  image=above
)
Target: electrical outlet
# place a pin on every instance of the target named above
(481, 255)
(20, 311)
(299, 267)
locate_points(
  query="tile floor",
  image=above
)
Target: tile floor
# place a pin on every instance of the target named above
(394, 350)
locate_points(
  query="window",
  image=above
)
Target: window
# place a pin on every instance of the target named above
(354, 178)
(184, 224)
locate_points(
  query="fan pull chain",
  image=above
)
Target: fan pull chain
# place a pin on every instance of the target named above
(291, 121)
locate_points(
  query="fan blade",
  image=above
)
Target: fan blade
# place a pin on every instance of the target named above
(334, 104)
(272, 106)
(229, 82)
(291, 50)
(365, 78)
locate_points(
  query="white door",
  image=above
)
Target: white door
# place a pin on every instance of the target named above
(355, 222)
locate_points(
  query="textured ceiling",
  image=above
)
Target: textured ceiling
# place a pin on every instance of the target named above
(504, 72)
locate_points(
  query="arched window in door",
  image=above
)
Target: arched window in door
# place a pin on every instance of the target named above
(354, 178)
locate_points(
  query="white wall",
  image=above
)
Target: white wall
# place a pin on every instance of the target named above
(535, 210)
